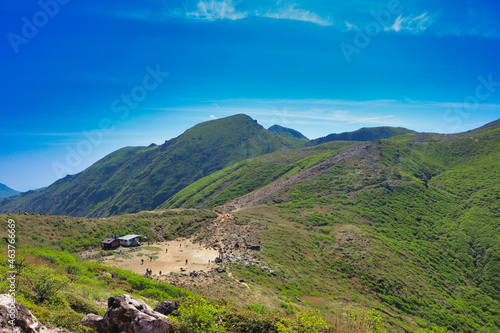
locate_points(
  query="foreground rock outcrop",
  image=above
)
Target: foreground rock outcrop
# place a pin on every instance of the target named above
(127, 314)
(168, 308)
(15, 318)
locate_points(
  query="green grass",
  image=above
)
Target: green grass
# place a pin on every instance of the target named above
(413, 230)
(87, 285)
(80, 234)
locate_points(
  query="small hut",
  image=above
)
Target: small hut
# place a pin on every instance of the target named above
(110, 243)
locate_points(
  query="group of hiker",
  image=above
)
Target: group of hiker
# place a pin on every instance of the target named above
(149, 272)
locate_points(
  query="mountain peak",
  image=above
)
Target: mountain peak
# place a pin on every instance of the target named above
(6, 191)
(286, 132)
(141, 178)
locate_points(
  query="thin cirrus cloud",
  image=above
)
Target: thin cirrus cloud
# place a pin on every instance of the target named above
(403, 24)
(292, 12)
(212, 10)
(412, 24)
(216, 10)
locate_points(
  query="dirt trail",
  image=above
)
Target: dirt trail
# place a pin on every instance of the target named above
(264, 194)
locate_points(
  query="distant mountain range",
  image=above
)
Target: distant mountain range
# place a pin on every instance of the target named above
(144, 178)
(365, 134)
(6, 191)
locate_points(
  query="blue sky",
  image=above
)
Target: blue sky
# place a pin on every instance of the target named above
(81, 79)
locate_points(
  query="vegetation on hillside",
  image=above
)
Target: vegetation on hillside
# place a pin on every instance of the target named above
(414, 224)
(60, 290)
(142, 178)
(80, 234)
(249, 175)
(133, 179)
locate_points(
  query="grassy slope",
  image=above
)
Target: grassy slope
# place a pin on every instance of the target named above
(413, 228)
(79, 234)
(141, 178)
(249, 175)
(89, 285)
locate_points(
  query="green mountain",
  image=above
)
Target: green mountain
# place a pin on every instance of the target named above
(144, 178)
(141, 178)
(286, 132)
(365, 134)
(290, 138)
(403, 232)
(412, 222)
(6, 191)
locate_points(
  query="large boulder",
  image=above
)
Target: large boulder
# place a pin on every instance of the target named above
(127, 314)
(15, 318)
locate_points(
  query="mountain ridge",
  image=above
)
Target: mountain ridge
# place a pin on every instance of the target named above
(365, 134)
(131, 179)
(286, 132)
(141, 178)
(6, 192)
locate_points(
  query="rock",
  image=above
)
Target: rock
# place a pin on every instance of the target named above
(127, 314)
(220, 269)
(168, 308)
(11, 312)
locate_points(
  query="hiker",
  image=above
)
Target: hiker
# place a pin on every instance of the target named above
(186, 261)
(150, 258)
(160, 273)
(166, 250)
(142, 261)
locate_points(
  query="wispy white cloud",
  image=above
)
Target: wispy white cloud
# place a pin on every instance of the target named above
(212, 10)
(292, 12)
(350, 26)
(412, 24)
(216, 10)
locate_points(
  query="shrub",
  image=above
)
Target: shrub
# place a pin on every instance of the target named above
(306, 321)
(199, 316)
(42, 283)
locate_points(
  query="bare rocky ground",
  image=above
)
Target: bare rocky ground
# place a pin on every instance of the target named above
(224, 242)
